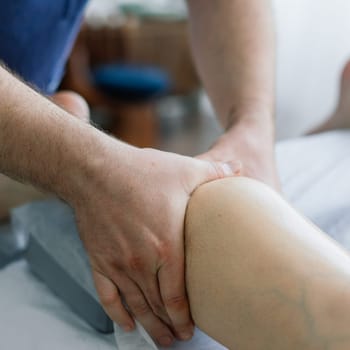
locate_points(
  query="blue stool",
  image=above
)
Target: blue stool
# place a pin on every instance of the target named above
(129, 82)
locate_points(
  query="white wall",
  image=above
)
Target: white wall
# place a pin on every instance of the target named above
(313, 45)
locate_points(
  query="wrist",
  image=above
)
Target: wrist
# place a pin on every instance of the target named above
(88, 165)
(250, 140)
(251, 135)
(252, 114)
(257, 127)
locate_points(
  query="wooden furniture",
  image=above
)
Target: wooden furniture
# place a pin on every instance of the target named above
(155, 42)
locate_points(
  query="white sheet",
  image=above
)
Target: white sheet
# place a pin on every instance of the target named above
(315, 175)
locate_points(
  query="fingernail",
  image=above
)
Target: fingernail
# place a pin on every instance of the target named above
(128, 328)
(232, 168)
(165, 341)
(186, 335)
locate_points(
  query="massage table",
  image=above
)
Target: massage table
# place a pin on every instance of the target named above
(315, 173)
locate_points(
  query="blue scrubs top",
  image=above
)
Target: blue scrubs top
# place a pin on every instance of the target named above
(36, 37)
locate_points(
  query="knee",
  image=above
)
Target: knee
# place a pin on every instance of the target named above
(229, 199)
(221, 217)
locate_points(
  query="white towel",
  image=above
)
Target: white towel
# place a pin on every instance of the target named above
(140, 340)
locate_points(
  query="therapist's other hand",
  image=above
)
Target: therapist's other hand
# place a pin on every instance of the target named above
(132, 225)
(252, 144)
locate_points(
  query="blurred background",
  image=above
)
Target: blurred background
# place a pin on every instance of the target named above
(132, 63)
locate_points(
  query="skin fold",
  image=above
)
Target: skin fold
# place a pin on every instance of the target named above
(259, 275)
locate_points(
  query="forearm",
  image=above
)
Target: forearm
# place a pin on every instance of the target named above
(259, 276)
(42, 144)
(233, 45)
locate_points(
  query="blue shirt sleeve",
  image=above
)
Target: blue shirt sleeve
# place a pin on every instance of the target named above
(36, 37)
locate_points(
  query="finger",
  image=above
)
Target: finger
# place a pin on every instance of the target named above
(206, 171)
(171, 278)
(218, 170)
(112, 303)
(151, 291)
(140, 309)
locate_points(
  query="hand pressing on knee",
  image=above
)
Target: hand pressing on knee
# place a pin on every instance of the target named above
(251, 143)
(132, 228)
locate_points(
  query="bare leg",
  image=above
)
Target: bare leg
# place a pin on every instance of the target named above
(259, 275)
(340, 119)
(13, 193)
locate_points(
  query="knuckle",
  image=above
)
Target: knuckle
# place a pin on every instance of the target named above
(109, 298)
(140, 308)
(157, 308)
(176, 302)
(165, 250)
(136, 263)
(155, 303)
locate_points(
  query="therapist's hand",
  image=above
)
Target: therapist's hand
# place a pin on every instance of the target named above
(132, 225)
(251, 142)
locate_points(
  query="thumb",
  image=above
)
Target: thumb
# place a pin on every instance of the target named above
(206, 171)
(220, 170)
(225, 169)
